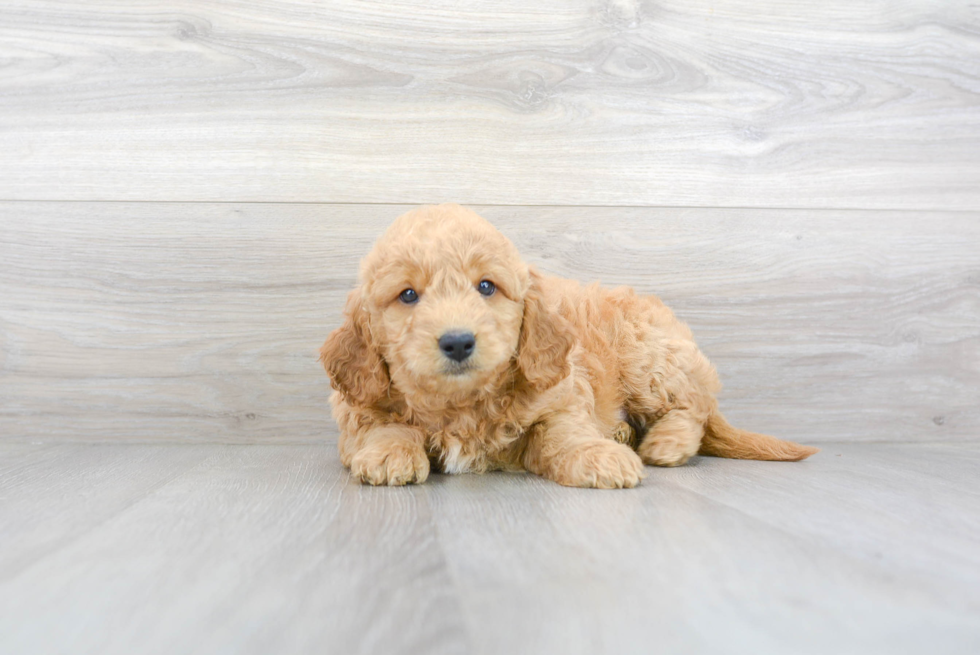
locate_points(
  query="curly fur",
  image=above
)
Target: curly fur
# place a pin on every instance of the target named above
(580, 384)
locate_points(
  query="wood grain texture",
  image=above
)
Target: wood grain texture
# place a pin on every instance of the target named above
(249, 550)
(262, 549)
(560, 102)
(676, 567)
(53, 495)
(201, 322)
(872, 487)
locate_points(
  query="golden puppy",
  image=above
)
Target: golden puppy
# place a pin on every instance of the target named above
(455, 353)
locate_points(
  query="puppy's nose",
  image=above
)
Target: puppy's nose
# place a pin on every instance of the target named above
(457, 345)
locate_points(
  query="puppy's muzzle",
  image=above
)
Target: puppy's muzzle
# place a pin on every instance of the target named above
(457, 346)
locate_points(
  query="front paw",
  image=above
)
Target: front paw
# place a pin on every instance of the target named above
(393, 463)
(600, 464)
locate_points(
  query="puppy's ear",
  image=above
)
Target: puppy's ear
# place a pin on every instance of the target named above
(546, 338)
(351, 359)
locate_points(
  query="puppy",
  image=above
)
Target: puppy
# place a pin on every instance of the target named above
(456, 354)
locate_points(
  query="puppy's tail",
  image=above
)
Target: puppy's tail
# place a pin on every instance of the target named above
(722, 440)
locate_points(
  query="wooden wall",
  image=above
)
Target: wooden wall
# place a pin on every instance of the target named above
(186, 189)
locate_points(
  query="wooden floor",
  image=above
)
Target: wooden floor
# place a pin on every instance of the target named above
(126, 548)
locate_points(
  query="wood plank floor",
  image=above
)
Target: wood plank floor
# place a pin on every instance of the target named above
(752, 103)
(123, 548)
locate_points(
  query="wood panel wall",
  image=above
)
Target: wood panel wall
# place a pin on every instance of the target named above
(186, 189)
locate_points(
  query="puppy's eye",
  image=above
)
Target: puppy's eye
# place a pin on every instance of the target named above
(409, 296)
(486, 287)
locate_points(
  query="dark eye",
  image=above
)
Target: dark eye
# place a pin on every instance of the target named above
(408, 296)
(486, 287)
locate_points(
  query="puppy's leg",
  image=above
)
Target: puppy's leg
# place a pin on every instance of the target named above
(391, 454)
(673, 439)
(672, 390)
(569, 449)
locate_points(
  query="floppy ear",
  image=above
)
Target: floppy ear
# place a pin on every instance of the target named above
(351, 359)
(546, 338)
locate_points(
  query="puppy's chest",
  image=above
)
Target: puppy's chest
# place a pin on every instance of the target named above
(461, 446)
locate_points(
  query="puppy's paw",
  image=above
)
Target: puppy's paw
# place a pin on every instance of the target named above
(601, 464)
(673, 440)
(624, 433)
(392, 463)
(667, 451)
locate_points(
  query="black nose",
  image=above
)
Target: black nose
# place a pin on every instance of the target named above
(457, 345)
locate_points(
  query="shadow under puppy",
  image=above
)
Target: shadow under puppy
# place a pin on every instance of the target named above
(456, 354)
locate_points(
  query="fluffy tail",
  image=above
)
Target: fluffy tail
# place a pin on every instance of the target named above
(722, 440)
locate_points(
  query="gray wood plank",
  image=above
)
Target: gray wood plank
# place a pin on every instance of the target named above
(54, 495)
(664, 569)
(259, 549)
(614, 102)
(201, 322)
(254, 549)
(19, 455)
(909, 509)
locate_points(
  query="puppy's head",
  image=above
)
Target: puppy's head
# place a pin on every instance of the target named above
(444, 305)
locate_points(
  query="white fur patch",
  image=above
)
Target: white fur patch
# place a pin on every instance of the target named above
(453, 461)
